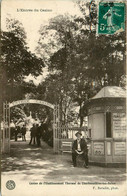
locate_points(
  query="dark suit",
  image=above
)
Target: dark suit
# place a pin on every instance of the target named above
(23, 131)
(38, 135)
(33, 134)
(83, 146)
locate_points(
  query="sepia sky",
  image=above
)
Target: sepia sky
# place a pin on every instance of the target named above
(32, 20)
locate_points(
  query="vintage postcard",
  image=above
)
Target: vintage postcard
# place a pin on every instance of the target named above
(63, 97)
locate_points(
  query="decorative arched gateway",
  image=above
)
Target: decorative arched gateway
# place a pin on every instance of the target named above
(6, 122)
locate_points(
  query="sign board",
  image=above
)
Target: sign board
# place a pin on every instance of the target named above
(119, 125)
(120, 148)
(98, 148)
(26, 101)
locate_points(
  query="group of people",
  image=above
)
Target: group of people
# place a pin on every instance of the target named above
(15, 132)
(36, 134)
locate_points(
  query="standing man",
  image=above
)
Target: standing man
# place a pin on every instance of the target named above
(23, 131)
(38, 135)
(17, 130)
(79, 147)
(33, 134)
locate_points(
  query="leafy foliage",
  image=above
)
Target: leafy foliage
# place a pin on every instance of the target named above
(16, 61)
(80, 62)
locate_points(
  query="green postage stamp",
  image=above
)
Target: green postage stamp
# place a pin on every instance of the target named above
(111, 17)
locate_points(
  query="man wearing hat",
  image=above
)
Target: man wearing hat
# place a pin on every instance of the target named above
(79, 147)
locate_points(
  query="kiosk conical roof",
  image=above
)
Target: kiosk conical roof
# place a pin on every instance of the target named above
(111, 92)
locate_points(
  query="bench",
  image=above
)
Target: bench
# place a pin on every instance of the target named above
(66, 147)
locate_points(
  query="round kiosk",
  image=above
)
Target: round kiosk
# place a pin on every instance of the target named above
(107, 127)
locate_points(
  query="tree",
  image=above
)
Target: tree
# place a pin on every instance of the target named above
(54, 91)
(81, 60)
(16, 61)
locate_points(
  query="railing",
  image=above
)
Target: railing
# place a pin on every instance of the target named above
(64, 135)
(66, 132)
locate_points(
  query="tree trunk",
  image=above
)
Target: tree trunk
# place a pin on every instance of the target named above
(81, 116)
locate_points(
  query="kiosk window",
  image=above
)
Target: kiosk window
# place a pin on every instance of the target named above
(108, 124)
